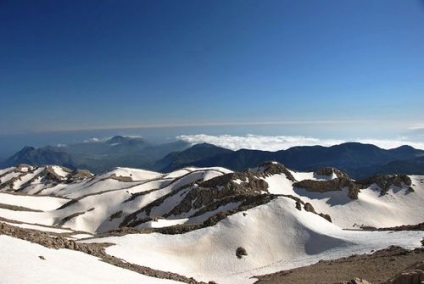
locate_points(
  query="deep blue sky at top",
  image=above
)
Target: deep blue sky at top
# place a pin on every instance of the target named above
(105, 64)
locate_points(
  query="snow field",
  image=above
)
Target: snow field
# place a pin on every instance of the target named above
(397, 207)
(21, 262)
(275, 235)
(43, 203)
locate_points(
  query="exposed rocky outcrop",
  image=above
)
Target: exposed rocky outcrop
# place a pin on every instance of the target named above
(336, 184)
(120, 178)
(243, 182)
(383, 182)
(79, 175)
(411, 275)
(47, 176)
(328, 171)
(382, 266)
(275, 168)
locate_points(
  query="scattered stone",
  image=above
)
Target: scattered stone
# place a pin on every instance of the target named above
(120, 178)
(240, 252)
(309, 208)
(358, 281)
(411, 275)
(326, 217)
(298, 205)
(383, 182)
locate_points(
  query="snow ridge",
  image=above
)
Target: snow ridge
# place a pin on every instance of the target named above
(192, 221)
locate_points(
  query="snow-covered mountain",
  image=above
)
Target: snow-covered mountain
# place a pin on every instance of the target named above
(211, 224)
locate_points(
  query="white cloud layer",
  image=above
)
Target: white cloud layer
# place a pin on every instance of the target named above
(104, 139)
(95, 140)
(276, 143)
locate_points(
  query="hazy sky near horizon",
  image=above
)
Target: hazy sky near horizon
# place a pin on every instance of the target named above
(345, 68)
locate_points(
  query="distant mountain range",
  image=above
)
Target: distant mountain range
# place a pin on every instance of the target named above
(97, 156)
(356, 159)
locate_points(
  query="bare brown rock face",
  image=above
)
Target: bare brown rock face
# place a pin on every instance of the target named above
(329, 172)
(411, 275)
(383, 182)
(336, 184)
(221, 190)
(383, 266)
(46, 176)
(274, 168)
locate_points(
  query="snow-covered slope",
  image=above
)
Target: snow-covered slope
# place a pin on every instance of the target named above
(211, 223)
(26, 262)
(375, 206)
(275, 236)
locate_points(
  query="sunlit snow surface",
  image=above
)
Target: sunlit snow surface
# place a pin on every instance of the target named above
(275, 235)
(21, 262)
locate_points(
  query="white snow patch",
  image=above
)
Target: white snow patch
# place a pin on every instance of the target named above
(60, 171)
(80, 236)
(135, 174)
(59, 266)
(159, 223)
(43, 203)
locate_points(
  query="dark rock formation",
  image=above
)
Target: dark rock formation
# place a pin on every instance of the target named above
(336, 184)
(241, 252)
(383, 182)
(328, 171)
(275, 168)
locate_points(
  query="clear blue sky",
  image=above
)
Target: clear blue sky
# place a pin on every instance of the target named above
(355, 66)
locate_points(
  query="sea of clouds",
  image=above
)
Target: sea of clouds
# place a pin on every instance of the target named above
(276, 143)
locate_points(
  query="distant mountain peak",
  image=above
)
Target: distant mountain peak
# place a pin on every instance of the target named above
(27, 149)
(48, 155)
(122, 139)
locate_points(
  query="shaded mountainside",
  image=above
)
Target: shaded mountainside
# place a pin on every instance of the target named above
(413, 166)
(48, 155)
(97, 156)
(358, 160)
(198, 152)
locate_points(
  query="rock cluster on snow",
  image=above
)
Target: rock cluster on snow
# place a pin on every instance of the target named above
(382, 182)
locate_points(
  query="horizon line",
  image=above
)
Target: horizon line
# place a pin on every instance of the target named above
(188, 125)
